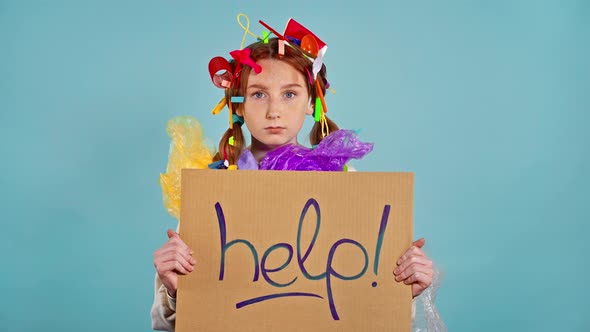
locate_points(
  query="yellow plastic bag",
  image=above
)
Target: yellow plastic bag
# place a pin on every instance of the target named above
(188, 149)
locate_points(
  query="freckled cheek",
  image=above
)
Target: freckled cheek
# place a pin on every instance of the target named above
(254, 107)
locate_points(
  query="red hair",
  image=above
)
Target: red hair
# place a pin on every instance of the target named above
(299, 61)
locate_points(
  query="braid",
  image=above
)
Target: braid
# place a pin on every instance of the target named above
(315, 135)
(232, 153)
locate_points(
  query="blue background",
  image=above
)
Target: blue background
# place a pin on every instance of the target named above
(486, 101)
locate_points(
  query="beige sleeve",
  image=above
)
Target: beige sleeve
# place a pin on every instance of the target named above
(164, 306)
(163, 309)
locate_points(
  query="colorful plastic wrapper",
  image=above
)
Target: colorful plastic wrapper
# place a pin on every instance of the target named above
(331, 154)
(188, 149)
(427, 318)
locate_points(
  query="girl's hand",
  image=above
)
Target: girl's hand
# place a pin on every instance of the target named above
(174, 258)
(414, 268)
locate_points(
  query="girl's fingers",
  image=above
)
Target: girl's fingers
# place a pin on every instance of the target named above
(413, 269)
(173, 248)
(175, 244)
(413, 260)
(171, 233)
(419, 243)
(173, 256)
(172, 266)
(177, 241)
(174, 237)
(419, 283)
(418, 277)
(415, 249)
(412, 251)
(172, 259)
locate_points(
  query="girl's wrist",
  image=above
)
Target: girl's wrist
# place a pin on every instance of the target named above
(170, 294)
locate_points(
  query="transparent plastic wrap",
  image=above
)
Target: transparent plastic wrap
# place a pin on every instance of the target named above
(188, 149)
(427, 318)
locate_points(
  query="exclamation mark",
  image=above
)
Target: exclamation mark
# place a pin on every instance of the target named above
(382, 227)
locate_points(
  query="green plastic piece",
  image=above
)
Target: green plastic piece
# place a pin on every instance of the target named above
(318, 109)
(265, 35)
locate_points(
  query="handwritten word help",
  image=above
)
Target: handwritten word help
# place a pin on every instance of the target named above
(329, 273)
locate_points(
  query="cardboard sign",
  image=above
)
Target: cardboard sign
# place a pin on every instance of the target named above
(295, 251)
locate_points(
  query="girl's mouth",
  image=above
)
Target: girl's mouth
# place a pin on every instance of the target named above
(274, 130)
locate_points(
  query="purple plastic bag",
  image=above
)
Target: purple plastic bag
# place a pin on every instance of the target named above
(331, 154)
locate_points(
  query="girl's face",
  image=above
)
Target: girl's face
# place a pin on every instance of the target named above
(275, 104)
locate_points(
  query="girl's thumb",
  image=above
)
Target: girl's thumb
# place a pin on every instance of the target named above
(171, 233)
(419, 243)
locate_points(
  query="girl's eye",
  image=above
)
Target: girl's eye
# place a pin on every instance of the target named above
(258, 94)
(290, 94)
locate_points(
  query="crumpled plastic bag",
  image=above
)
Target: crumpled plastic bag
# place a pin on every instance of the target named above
(188, 149)
(427, 317)
(331, 154)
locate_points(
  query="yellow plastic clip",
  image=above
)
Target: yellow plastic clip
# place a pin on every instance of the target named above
(324, 125)
(231, 116)
(219, 107)
(232, 167)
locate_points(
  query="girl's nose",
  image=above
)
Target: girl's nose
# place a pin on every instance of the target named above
(272, 115)
(273, 111)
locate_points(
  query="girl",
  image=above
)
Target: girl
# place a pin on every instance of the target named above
(277, 84)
